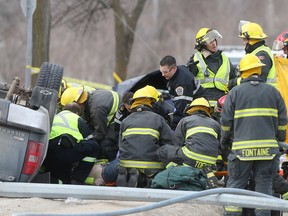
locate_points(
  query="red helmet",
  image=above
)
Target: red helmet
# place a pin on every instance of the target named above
(283, 36)
(279, 42)
(220, 103)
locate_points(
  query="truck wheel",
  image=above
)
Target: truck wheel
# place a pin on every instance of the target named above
(45, 92)
(50, 76)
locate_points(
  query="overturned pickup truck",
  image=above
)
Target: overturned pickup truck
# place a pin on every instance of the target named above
(26, 116)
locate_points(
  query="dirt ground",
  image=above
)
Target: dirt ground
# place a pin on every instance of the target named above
(10, 206)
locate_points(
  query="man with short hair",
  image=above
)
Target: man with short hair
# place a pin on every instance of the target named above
(182, 85)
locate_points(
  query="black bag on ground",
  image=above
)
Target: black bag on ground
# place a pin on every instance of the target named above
(181, 178)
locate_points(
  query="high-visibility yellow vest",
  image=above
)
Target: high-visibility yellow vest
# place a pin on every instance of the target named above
(212, 80)
(66, 122)
(271, 78)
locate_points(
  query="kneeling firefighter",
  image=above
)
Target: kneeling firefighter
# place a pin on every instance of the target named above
(141, 134)
(198, 140)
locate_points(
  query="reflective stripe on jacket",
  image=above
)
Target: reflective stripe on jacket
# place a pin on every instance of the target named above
(258, 122)
(201, 136)
(141, 134)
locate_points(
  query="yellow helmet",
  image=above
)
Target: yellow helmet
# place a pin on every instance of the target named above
(155, 94)
(250, 65)
(74, 94)
(146, 92)
(250, 30)
(63, 87)
(201, 33)
(203, 103)
(206, 35)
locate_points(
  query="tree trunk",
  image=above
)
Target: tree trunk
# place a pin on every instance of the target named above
(41, 36)
(125, 26)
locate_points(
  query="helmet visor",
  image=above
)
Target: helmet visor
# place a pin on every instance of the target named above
(277, 45)
(211, 36)
(241, 23)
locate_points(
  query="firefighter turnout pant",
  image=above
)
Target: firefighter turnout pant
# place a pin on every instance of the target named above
(239, 173)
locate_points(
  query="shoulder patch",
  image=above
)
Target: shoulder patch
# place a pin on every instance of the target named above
(261, 57)
(179, 90)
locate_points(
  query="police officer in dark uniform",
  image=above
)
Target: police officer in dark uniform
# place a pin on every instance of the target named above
(182, 85)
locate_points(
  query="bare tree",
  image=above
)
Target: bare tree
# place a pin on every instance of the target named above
(41, 34)
(84, 14)
(125, 25)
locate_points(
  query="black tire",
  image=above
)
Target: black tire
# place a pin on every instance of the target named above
(45, 92)
(50, 76)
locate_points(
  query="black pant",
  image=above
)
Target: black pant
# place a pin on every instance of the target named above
(59, 160)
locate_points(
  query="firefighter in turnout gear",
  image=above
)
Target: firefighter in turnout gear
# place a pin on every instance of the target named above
(254, 115)
(182, 85)
(99, 108)
(141, 134)
(199, 135)
(68, 146)
(197, 141)
(211, 66)
(254, 42)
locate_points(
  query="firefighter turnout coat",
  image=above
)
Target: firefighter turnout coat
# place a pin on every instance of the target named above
(255, 115)
(100, 110)
(199, 135)
(141, 134)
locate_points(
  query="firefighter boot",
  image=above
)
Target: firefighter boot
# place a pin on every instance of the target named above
(212, 179)
(133, 178)
(122, 177)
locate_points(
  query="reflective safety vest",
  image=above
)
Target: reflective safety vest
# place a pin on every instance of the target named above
(66, 122)
(208, 78)
(271, 78)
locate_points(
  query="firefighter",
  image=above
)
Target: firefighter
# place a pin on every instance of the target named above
(200, 134)
(182, 85)
(68, 146)
(141, 134)
(281, 43)
(254, 42)
(211, 66)
(99, 108)
(254, 113)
